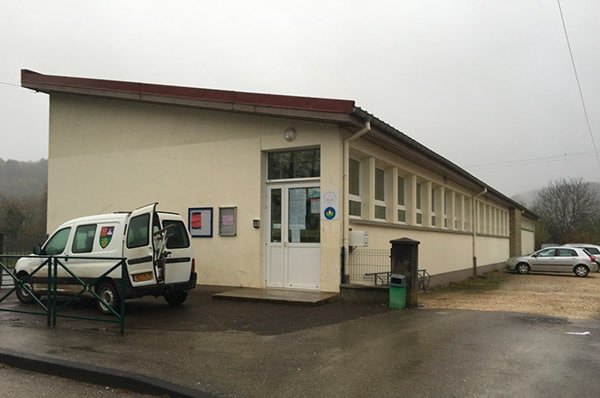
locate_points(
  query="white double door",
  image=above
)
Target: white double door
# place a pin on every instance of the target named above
(293, 236)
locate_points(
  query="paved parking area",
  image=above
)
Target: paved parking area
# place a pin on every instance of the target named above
(252, 349)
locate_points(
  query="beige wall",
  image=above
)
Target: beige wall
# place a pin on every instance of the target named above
(110, 155)
(442, 249)
(440, 252)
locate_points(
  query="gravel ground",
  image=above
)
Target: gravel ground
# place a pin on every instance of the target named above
(560, 295)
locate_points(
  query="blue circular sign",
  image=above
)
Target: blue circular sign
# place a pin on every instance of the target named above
(329, 213)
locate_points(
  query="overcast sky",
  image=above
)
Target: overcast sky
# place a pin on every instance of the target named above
(488, 84)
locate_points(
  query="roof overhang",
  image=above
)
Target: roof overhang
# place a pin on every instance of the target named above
(321, 109)
(386, 136)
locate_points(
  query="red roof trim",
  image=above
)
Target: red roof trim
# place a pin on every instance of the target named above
(60, 83)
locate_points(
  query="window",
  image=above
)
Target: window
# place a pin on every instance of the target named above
(57, 243)
(567, 253)
(468, 214)
(446, 210)
(380, 210)
(355, 204)
(304, 163)
(401, 200)
(176, 234)
(419, 209)
(84, 238)
(137, 235)
(547, 253)
(458, 212)
(433, 215)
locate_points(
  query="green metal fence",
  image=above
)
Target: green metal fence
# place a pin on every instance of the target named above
(48, 272)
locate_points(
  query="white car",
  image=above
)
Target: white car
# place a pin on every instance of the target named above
(555, 259)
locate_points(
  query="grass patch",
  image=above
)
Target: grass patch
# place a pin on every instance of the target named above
(490, 281)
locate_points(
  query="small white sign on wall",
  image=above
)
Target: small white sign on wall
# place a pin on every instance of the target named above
(330, 204)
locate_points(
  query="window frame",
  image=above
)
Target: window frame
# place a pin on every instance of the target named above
(354, 197)
(419, 203)
(401, 199)
(379, 194)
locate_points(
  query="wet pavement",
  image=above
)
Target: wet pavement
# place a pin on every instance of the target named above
(225, 348)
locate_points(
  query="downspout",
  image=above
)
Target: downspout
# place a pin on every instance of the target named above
(474, 226)
(345, 226)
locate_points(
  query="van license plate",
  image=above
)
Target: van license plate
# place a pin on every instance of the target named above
(144, 276)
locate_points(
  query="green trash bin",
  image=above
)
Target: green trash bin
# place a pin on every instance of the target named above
(397, 291)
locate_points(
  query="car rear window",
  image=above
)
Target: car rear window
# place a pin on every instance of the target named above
(177, 234)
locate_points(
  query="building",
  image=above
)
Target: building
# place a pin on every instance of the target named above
(272, 185)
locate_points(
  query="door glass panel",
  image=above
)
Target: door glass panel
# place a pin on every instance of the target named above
(304, 211)
(276, 215)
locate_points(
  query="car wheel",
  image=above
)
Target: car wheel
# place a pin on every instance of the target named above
(176, 298)
(108, 293)
(522, 268)
(581, 270)
(23, 295)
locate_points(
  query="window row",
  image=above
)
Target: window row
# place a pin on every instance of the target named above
(391, 195)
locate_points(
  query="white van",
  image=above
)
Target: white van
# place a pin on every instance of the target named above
(157, 245)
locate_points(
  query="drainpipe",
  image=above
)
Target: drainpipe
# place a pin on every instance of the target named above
(366, 129)
(474, 226)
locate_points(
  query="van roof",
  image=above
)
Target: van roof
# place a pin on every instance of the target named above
(109, 217)
(118, 216)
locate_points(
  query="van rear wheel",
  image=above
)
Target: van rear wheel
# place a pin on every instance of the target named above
(176, 298)
(108, 293)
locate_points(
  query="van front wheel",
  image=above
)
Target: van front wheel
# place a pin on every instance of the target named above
(176, 298)
(108, 294)
(23, 288)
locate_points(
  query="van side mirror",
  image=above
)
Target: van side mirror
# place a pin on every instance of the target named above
(37, 250)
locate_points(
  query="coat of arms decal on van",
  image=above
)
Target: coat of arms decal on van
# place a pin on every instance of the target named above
(106, 234)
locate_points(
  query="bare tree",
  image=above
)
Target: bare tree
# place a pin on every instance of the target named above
(568, 208)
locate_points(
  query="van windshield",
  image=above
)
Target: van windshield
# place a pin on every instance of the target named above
(178, 237)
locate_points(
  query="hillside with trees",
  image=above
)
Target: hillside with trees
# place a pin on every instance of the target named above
(23, 197)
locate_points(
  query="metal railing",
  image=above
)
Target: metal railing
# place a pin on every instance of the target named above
(48, 271)
(370, 267)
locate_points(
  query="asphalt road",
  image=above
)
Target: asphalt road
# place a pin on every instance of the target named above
(240, 349)
(19, 383)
